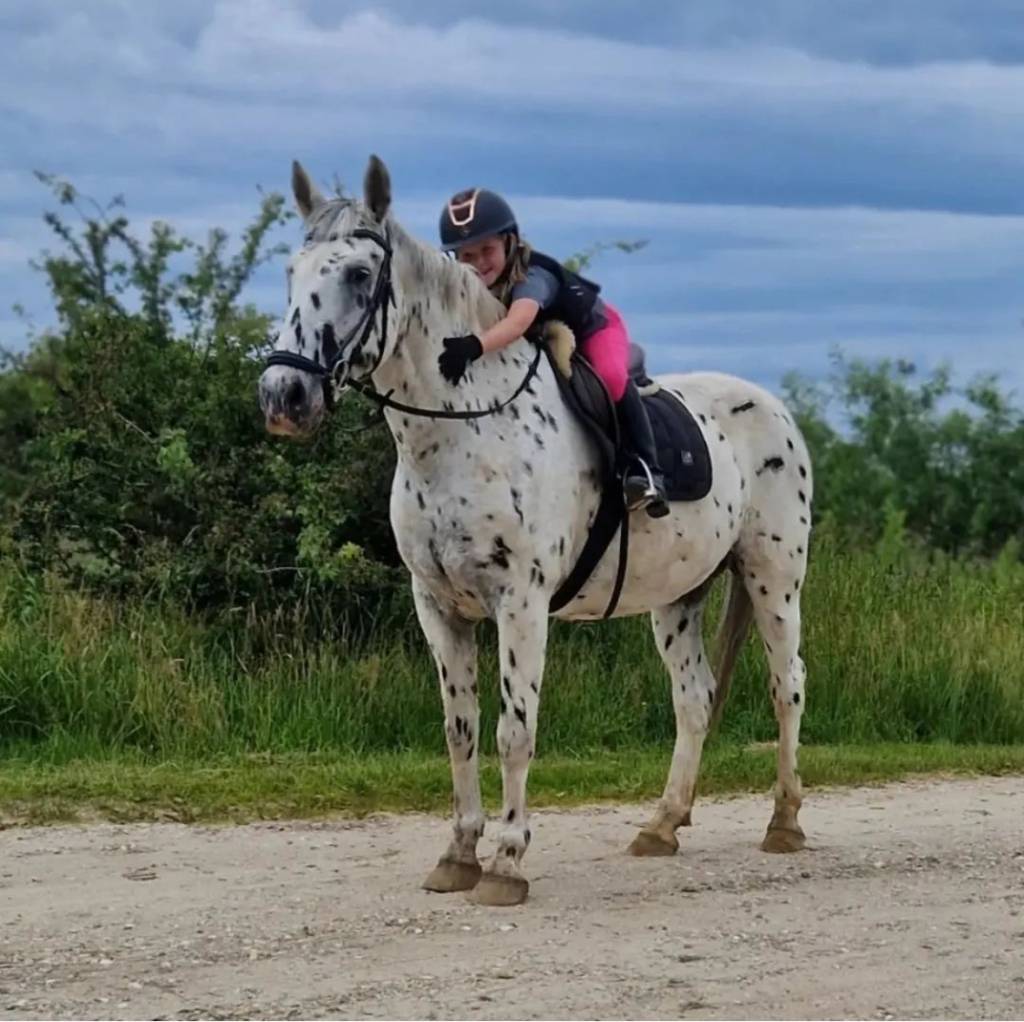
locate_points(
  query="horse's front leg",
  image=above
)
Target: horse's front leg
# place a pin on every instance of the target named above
(522, 638)
(453, 645)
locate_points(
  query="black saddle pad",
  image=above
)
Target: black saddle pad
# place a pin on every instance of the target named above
(682, 450)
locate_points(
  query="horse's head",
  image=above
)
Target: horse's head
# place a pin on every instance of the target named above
(341, 315)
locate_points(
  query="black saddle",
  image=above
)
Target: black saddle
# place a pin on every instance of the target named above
(682, 454)
(682, 449)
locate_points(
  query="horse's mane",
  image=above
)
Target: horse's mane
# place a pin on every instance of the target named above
(461, 292)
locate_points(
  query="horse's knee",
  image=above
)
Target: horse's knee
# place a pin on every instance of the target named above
(515, 745)
(461, 735)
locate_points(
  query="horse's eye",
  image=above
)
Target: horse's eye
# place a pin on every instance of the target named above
(357, 275)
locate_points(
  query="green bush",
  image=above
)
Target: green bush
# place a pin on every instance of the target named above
(134, 459)
(951, 462)
(134, 463)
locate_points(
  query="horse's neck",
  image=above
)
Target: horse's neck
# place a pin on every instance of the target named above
(439, 300)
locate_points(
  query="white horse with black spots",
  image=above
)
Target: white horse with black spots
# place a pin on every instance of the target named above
(490, 514)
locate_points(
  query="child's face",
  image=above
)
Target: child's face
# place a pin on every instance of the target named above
(487, 257)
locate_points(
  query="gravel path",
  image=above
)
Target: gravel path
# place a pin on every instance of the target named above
(909, 902)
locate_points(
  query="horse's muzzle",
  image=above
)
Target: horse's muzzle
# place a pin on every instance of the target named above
(291, 400)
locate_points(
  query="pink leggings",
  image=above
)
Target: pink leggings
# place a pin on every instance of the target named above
(607, 350)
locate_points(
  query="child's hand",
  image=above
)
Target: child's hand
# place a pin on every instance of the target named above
(458, 353)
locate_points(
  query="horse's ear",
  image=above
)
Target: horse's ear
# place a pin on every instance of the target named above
(307, 195)
(377, 187)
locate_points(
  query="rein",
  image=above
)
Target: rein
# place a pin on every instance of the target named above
(611, 513)
(385, 400)
(383, 295)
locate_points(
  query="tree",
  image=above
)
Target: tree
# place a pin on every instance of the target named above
(133, 455)
(951, 461)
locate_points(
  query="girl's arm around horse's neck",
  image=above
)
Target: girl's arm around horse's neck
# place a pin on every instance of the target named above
(521, 314)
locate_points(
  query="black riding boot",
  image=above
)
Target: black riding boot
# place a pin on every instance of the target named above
(644, 483)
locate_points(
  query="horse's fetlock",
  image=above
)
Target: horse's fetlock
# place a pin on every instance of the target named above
(469, 825)
(513, 842)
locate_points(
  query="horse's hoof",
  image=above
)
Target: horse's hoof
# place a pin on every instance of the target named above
(648, 843)
(449, 875)
(500, 890)
(783, 839)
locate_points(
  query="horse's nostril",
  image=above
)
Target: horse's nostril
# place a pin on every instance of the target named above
(294, 396)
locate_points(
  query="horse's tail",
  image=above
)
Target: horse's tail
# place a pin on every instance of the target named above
(732, 632)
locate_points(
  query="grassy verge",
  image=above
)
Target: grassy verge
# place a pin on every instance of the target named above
(287, 786)
(900, 647)
(915, 665)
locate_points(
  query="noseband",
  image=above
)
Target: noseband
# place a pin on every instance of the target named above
(383, 295)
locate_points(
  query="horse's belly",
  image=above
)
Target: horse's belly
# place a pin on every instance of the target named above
(668, 557)
(655, 583)
(657, 574)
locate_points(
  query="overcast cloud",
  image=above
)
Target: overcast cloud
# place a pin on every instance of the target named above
(807, 175)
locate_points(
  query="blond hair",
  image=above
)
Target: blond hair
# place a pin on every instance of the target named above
(517, 262)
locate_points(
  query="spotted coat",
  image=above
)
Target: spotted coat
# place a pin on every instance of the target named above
(490, 515)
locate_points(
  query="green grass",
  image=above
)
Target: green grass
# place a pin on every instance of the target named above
(914, 663)
(916, 649)
(263, 787)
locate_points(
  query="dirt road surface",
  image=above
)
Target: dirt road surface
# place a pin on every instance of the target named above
(909, 903)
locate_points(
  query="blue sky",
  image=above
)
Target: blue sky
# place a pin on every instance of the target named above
(808, 174)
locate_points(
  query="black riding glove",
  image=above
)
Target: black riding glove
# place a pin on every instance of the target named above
(458, 353)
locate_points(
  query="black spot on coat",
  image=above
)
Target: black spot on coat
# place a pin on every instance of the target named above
(500, 552)
(330, 345)
(775, 464)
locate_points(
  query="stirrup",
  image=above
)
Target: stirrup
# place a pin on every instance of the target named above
(640, 491)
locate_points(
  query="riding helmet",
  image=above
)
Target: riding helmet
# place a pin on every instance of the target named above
(474, 214)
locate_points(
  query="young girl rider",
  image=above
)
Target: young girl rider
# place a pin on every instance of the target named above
(480, 228)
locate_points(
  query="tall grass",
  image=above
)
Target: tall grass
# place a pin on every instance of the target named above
(899, 645)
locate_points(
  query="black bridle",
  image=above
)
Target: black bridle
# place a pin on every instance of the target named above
(610, 514)
(383, 296)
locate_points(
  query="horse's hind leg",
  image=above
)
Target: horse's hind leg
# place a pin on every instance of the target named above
(677, 631)
(774, 588)
(453, 645)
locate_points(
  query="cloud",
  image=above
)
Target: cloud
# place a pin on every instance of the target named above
(805, 173)
(273, 51)
(241, 88)
(898, 32)
(894, 33)
(16, 253)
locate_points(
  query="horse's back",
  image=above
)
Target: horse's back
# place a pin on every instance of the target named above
(723, 392)
(755, 422)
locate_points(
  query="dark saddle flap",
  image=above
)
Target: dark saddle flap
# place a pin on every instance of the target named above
(682, 449)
